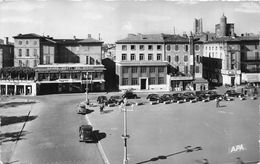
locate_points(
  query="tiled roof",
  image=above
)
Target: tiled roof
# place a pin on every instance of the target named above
(142, 38)
(175, 38)
(67, 41)
(234, 39)
(90, 40)
(77, 41)
(28, 36)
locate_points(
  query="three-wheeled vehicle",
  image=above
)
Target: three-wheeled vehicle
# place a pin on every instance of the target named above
(86, 133)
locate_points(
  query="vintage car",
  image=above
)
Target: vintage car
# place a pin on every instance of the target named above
(86, 133)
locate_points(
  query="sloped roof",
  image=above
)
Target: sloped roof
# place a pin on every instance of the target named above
(28, 36)
(142, 38)
(175, 38)
(90, 40)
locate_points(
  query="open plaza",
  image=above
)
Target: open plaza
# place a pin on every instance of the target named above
(161, 133)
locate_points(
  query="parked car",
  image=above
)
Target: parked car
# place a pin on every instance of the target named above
(153, 97)
(86, 133)
(115, 100)
(82, 110)
(129, 95)
(232, 93)
(102, 99)
(178, 97)
(189, 96)
(166, 97)
(212, 95)
(201, 96)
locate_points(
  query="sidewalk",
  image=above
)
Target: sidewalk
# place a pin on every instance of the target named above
(15, 112)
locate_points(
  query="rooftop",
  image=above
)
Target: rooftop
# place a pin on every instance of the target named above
(28, 36)
(142, 38)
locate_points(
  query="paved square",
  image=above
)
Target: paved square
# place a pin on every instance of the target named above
(159, 133)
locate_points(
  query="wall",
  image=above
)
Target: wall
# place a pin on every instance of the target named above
(137, 51)
(34, 51)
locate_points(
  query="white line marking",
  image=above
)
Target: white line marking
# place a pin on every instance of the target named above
(100, 148)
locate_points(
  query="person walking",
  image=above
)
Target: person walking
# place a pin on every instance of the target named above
(102, 106)
(217, 103)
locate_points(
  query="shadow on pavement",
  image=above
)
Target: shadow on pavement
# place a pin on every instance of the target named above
(107, 111)
(12, 136)
(7, 120)
(188, 149)
(99, 135)
(15, 104)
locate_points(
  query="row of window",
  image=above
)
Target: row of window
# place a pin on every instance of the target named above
(141, 47)
(212, 48)
(143, 69)
(134, 81)
(175, 47)
(27, 52)
(27, 63)
(20, 42)
(141, 57)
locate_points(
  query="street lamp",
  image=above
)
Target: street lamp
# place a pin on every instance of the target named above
(125, 136)
(87, 88)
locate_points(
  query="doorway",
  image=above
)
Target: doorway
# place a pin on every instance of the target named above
(232, 81)
(143, 83)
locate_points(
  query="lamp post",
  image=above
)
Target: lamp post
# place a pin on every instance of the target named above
(125, 136)
(87, 88)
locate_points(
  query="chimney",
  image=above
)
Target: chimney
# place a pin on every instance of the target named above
(89, 35)
(6, 40)
(74, 37)
(99, 36)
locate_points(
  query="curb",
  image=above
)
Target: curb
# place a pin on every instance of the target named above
(100, 148)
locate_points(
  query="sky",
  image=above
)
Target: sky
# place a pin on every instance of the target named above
(114, 19)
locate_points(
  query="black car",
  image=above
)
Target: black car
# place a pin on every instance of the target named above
(102, 99)
(212, 95)
(232, 93)
(129, 95)
(166, 97)
(189, 96)
(153, 97)
(201, 96)
(86, 133)
(178, 97)
(115, 100)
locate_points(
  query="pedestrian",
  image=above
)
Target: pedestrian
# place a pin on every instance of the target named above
(102, 106)
(217, 103)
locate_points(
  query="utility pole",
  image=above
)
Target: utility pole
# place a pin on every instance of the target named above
(125, 136)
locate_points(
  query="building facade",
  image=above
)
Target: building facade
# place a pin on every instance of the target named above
(141, 62)
(31, 50)
(69, 78)
(232, 60)
(6, 54)
(184, 55)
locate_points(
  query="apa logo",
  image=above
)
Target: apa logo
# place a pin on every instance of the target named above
(237, 148)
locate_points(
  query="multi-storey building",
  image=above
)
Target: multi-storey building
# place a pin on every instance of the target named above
(141, 63)
(250, 59)
(61, 65)
(32, 49)
(77, 67)
(232, 60)
(6, 54)
(184, 56)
